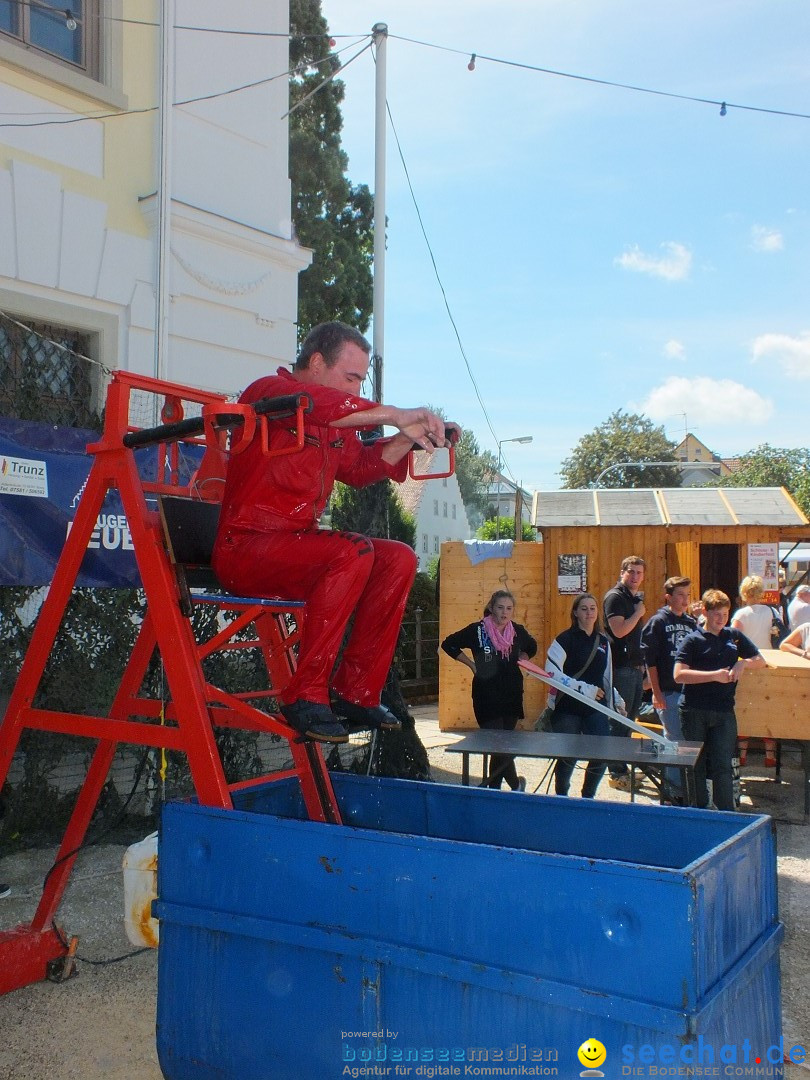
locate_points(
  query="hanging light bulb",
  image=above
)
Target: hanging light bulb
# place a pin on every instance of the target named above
(723, 109)
(471, 65)
(70, 22)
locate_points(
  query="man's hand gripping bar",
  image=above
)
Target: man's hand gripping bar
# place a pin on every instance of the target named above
(452, 436)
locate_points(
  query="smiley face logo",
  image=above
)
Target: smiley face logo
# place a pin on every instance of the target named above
(592, 1054)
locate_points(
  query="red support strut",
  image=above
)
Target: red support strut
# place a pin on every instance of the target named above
(33, 952)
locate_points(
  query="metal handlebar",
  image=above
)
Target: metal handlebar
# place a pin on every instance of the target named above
(451, 434)
(224, 416)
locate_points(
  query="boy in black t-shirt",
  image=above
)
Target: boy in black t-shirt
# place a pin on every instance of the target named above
(708, 664)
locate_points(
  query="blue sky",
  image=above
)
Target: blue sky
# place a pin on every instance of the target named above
(600, 248)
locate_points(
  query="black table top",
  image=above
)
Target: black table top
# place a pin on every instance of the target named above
(547, 744)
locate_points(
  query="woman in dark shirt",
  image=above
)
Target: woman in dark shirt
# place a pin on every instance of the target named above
(496, 644)
(583, 653)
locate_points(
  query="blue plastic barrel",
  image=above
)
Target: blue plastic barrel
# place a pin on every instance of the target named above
(450, 931)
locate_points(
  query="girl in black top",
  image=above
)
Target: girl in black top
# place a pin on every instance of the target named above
(583, 653)
(496, 644)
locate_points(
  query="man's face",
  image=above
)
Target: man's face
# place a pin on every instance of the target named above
(633, 576)
(347, 373)
(716, 619)
(679, 599)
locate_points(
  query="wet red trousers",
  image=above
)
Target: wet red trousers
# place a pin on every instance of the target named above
(337, 574)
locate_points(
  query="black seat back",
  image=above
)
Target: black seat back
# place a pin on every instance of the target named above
(190, 529)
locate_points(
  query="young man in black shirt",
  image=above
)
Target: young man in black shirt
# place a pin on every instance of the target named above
(624, 611)
(660, 640)
(708, 665)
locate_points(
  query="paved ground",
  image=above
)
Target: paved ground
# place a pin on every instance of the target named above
(101, 1024)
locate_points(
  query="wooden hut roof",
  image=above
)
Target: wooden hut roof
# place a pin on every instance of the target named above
(665, 506)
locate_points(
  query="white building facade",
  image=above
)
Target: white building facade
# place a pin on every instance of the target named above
(78, 249)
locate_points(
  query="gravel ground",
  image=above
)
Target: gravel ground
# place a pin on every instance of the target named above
(101, 1024)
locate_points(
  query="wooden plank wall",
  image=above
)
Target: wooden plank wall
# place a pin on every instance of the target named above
(667, 550)
(605, 548)
(464, 591)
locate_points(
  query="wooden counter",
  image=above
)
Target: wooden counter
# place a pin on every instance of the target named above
(775, 702)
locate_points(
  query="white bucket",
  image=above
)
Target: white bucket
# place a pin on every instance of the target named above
(140, 889)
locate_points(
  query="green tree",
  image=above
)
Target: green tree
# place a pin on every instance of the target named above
(331, 215)
(622, 437)
(774, 466)
(373, 511)
(505, 530)
(474, 469)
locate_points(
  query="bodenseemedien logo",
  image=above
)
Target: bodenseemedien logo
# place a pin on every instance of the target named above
(592, 1054)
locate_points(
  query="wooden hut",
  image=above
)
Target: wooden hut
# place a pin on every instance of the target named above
(715, 536)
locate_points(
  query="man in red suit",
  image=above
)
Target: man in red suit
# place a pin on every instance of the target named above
(269, 543)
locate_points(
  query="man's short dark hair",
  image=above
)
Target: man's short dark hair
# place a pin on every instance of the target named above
(632, 560)
(328, 339)
(673, 583)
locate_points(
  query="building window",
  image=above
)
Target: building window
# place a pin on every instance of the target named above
(435, 545)
(444, 481)
(425, 543)
(445, 510)
(41, 381)
(454, 511)
(435, 507)
(64, 31)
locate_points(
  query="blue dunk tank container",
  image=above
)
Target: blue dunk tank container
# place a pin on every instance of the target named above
(445, 927)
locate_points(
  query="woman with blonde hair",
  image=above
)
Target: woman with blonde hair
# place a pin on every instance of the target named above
(755, 620)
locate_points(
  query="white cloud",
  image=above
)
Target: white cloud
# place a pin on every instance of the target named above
(765, 239)
(791, 353)
(674, 350)
(674, 266)
(707, 401)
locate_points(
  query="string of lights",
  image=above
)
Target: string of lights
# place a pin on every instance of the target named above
(723, 106)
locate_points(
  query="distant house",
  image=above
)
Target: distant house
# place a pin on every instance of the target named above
(694, 452)
(504, 496)
(436, 506)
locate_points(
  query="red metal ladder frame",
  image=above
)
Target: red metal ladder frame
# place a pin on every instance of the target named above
(195, 706)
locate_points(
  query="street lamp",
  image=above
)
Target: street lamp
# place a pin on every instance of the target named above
(519, 439)
(649, 464)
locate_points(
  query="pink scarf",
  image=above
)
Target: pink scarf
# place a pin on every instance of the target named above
(502, 640)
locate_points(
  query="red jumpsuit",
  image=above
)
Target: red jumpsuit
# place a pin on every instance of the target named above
(268, 544)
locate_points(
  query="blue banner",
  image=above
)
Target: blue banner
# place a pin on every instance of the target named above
(43, 471)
